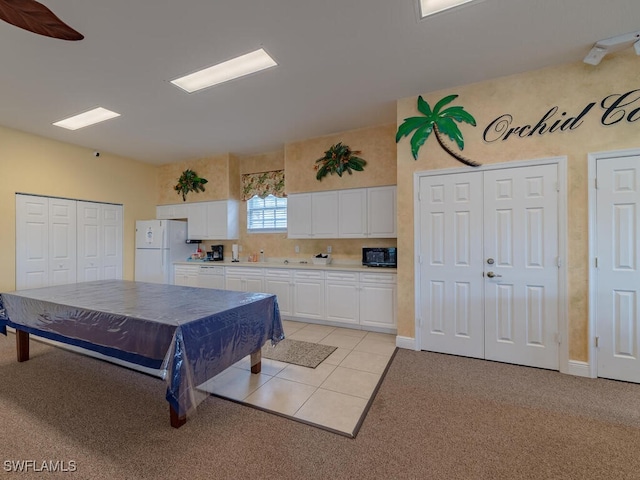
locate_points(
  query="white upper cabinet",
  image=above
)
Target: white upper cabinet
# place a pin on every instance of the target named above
(381, 212)
(206, 220)
(353, 213)
(312, 215)
(172, 212)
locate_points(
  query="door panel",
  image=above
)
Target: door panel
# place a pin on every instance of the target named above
(62, 241)
(618, 242)
(521, 235)
(451, 268)
(32, 242)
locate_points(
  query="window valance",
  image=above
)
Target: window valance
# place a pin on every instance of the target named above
(263, 184)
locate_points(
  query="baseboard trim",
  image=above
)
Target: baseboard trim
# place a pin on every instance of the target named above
(579, 369)
(408, 343)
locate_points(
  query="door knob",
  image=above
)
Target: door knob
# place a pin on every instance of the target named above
(492, 275)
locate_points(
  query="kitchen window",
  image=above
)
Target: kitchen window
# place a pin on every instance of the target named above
(266, 215)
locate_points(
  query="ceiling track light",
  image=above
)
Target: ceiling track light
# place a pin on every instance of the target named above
(602, 47)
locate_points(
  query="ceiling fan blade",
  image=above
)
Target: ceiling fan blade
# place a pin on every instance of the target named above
(35, 17)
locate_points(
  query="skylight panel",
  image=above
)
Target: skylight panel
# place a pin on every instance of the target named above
(431, 7)
(85, 119)
(223, 72)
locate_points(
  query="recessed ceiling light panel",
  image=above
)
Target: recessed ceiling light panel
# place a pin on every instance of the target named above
(225, 71)
(431, 7)
(85, 119)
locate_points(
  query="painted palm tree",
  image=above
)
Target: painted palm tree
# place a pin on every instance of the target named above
(440, 122)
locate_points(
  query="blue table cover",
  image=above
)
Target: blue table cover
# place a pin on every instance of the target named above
(191, 334)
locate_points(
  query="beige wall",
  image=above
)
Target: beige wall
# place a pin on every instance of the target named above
(378, 148)
(39, 166)
(219, 170)
(527, 97)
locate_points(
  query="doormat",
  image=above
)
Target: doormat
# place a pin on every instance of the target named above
(306, 354)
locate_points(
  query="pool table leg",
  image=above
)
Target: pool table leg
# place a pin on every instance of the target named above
(176, 420)
(22, 345)
(256, 361)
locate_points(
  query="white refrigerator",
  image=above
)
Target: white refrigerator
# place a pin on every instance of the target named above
(159, 243)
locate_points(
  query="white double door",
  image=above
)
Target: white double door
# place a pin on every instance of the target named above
(488, 250)
(617, 236)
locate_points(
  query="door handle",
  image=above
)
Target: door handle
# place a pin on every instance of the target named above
(492, 275)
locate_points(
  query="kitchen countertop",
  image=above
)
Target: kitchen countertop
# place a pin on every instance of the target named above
(293, 264)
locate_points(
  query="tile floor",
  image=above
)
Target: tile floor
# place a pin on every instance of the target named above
(333, 395)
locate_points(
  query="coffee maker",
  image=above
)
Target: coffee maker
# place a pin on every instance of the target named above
(216, 254)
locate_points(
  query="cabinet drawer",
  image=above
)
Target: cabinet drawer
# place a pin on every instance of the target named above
(378, 277)
(211, 270)
(342, 276)
(317, 274)
(277, 273)
(244, 271)
(187, 269)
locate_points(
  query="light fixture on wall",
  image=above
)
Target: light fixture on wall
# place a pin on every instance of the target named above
(602, 47)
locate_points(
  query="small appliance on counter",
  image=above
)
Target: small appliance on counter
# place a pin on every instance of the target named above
(234, 253)
(216, 254)
(380, 257)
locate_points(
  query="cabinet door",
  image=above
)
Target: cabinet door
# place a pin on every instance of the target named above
(352, 213)
(216, 220)
(299, 215)
(308, 296)
(282, 288)
(378, 304)
(253, 284)
(164, 212)
(342, 297)
(324, 214)
(197, 221)
(381, 212)
(233, 282)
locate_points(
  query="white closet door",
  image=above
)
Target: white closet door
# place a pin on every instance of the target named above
(62, 241)
(32, 241)
(89, 242)
(451, 264)
(112, 242)
(618, 288)
(521, 250)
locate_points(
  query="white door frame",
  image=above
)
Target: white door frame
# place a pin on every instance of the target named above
(593, 248)
(563, 303)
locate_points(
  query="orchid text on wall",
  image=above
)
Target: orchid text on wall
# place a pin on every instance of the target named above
(615, 108)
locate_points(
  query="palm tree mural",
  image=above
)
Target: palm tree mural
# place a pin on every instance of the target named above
(440, 122)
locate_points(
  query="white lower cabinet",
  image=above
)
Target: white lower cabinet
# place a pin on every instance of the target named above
(279, 282)
(308, 294)
(186, 275)
(378, 300)
(342, 299)
(211, 276)
(244, 279)
(354, 299)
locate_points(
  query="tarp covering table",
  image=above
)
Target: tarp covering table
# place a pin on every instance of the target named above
(192, 334)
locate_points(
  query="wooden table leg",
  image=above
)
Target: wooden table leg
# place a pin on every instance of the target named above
(176, 420)
(22, 345)
(256, 361)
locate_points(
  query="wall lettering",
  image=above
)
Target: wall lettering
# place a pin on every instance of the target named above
(617, 107)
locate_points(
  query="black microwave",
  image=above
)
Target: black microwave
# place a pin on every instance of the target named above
(380, 257)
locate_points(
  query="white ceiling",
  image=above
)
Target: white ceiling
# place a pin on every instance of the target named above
(342, 65)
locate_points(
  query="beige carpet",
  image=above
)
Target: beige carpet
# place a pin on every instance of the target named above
(297, 352)
(434, 417)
